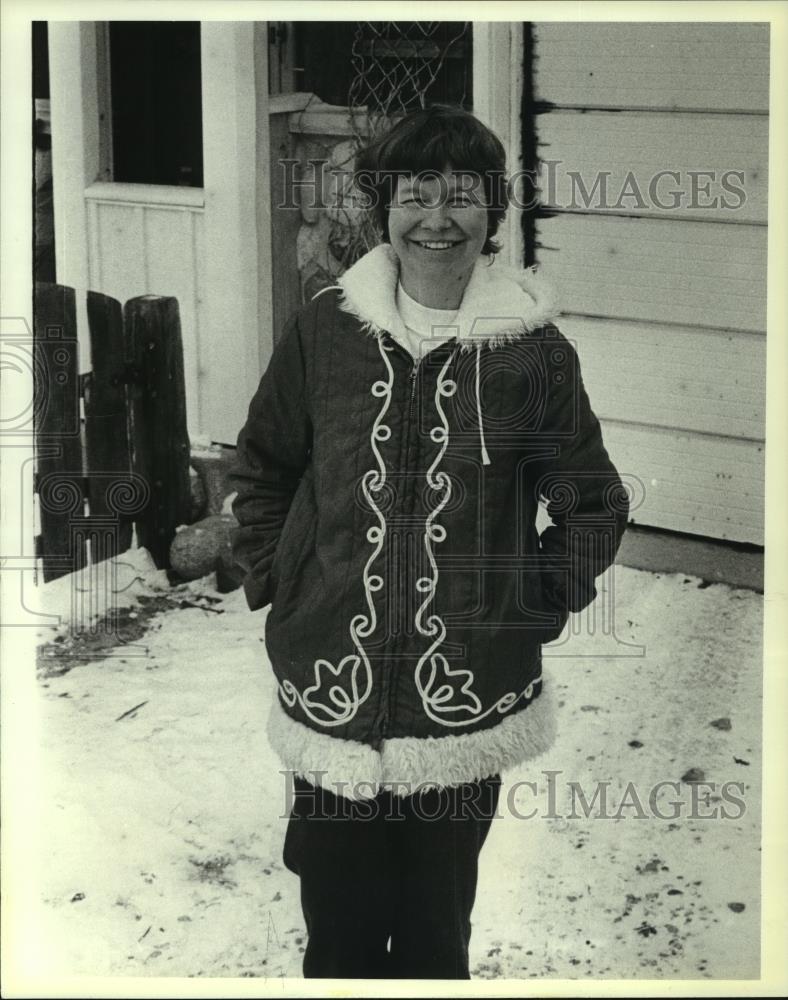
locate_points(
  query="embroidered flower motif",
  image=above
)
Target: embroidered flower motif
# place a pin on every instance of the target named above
(345, 699)
(446, 697)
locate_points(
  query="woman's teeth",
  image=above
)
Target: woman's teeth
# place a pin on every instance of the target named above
(442, 245)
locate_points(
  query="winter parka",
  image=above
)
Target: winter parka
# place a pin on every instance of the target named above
(387, 513)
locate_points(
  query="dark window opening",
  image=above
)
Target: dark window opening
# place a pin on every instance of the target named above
(156, 102)
(40, 61)
(387, 66)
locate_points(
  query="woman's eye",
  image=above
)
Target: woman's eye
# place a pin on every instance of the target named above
(462, 201)
(453, 201)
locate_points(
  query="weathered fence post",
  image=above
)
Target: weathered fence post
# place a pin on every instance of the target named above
(160, 440)
(59, 472)
(111, 488)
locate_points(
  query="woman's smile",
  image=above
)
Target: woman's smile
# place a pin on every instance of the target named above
(437, 245)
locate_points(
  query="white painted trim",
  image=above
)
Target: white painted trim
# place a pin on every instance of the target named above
(75, 142)
(237, 314)
(146, 194)
(497, 97)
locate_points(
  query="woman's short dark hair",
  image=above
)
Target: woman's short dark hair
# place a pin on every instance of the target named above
(428, 140)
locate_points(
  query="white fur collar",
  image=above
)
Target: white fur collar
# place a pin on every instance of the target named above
(499, 305)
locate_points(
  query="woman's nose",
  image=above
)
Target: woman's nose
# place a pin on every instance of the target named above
(437, 217)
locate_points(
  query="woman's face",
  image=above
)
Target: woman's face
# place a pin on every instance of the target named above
(437, 227)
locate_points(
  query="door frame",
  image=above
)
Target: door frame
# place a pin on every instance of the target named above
(497, 101)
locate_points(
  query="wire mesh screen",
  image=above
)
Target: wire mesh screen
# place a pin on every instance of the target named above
(389, 66)
(399, 65)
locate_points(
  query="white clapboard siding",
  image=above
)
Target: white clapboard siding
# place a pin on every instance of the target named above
(688, 66)
(647, 144)
(148, 248)
(696, 483)
(688, 273)
(667, 307)
(650, 374)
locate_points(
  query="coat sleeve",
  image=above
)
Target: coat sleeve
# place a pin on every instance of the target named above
(585, 497)
(272, 454)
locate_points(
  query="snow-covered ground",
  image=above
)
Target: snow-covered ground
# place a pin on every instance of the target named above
(160, 806)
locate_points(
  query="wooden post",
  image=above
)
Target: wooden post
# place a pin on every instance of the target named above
(160, 440)
(111, 489)
(59, 474)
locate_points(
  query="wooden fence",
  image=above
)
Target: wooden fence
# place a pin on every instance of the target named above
(112, 447)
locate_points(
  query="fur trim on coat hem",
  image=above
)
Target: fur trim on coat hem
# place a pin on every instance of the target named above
(357, 771)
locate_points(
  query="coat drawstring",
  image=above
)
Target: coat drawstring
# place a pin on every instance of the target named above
(485, 456)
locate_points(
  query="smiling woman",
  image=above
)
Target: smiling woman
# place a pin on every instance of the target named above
(388, 480)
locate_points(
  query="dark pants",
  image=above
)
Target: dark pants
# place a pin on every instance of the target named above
(388, 885)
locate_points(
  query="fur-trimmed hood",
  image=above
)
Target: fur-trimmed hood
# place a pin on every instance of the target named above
(500, 304)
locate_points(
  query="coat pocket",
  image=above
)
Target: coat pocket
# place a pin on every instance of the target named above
(296, 532)
(559, 613)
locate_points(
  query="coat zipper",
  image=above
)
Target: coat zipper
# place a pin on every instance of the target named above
(386, 718)
(386, 715)
(413, 373)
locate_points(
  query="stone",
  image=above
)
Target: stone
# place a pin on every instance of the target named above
(199, 548)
